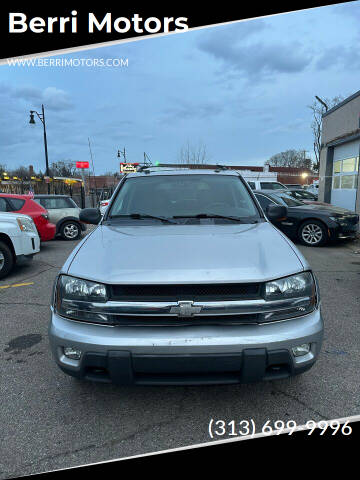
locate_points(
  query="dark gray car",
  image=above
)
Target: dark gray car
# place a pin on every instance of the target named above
(64, 213)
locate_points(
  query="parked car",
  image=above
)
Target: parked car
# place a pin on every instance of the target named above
(312, 225)
(298, 186)
(64, 213)
(265, 184)
(103, 204)
(191, 284)
(19, 240)
(304, 196)
(313, 188)
(25, 204)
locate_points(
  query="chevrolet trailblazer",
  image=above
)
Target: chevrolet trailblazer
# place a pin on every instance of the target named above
(184, 280)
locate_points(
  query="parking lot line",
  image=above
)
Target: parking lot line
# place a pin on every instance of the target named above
(17, 285)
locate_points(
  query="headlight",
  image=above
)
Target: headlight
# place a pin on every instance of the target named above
(26, 224)
(339, 218)
(290, 296)
(76, 299)
(299, 285)
(77, 289)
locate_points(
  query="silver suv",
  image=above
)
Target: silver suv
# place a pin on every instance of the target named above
(185, 281)
(64, 213)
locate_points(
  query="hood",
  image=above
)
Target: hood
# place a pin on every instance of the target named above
(184, 254)
(325, 208)
(13, 216)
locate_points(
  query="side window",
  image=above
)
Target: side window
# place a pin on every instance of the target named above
(16, 204)
(252, 185)
(3, 205)
(55, 203)
(264, 201)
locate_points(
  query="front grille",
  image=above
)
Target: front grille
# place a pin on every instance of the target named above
(353, 220)
(168, 321)
(175, 293)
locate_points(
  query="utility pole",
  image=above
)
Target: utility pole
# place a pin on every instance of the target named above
(42, 119)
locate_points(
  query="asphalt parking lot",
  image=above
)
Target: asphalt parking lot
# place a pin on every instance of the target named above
(49, 420)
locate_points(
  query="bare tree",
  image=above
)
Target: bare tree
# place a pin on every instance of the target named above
(190, 154)
(318, 109)
(63, 168)
(290, 158)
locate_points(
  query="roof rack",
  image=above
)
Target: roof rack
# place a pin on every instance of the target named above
(143, 167)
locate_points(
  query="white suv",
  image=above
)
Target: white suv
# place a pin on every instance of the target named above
(19, 240)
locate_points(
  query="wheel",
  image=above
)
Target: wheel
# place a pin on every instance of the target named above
(6, 260)
(313, 233)
(70, 230)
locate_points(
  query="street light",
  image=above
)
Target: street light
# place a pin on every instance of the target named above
(32, 122)
(305, 175)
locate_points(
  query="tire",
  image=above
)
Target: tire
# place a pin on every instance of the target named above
(70, 230)
(313, 233)
(6, 260)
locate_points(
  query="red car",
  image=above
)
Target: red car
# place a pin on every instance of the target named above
(26, 205)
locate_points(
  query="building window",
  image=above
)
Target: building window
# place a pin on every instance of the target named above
(336, 182)
(347, 181)
(345, 173)
(337, 167)
(349, 165)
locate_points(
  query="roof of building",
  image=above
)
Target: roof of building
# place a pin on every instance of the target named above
(344, 102)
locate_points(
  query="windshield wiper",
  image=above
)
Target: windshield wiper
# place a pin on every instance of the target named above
(211, 215)
(143, 215)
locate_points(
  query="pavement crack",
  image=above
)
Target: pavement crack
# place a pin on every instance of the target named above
(293, 397)
(109, 443)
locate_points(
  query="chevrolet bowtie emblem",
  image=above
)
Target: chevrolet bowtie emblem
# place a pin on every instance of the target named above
(185, 309)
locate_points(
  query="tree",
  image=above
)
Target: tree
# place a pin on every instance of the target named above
(190, 154)
(318, 109)
(290, 158)
(63, 168)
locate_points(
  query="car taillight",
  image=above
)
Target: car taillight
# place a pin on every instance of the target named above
(103, 204)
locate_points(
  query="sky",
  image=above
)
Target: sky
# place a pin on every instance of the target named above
(242, 90)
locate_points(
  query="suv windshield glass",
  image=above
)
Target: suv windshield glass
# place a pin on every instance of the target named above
(185, 196)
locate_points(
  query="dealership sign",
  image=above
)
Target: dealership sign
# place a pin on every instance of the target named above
(82, 164)
(128, 167)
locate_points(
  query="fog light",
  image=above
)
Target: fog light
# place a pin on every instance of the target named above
(71, 352)
(301, 350)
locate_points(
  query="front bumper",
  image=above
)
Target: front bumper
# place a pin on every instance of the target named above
(186, 355)
(344, 230)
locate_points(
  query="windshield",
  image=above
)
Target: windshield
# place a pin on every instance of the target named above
(285, 198)
(184, 196)
(271, 186)
(302, 194)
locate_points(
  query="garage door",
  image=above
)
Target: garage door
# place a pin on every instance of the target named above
(345, 175)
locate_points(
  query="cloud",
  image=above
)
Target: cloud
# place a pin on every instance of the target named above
(339, 56)
(290, 127)
(27, 93)
(256, 58)
(186, 111)
(56, 99)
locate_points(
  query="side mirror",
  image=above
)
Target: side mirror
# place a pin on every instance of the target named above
(275, 213)
(90, 215)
